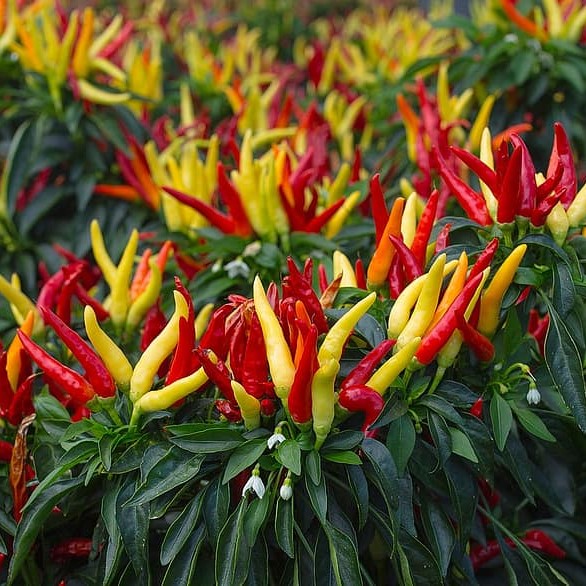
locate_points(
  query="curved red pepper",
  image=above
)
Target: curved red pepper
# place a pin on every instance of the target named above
(396, 278)
(364, 369)
(86, 299)
(182, 363)
(360, 274)
(380, 214)
(508, 196)
(229, 410)
(6, 392)
(77, 387)
(72, 274)
(299, 399)
(154, 323)
(22, 402)
(561, 154)
(255, 366)
(484, 172)
(5, 451)
(364, 399)
(477, 342)
(233, 201)
(484, 258)
(476, 409)
(424, 227)
(435, 340)
(528, 185)
(96, 372)
(540, 213)
(319, 221)
(410, 264)
(218, 373)
(71, 549)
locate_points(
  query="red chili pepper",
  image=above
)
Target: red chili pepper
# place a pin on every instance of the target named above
(508, 196)
(229, 410)
(216, 218)
(476, 409)
(70, 381)
(50, 290)
(442, 240)
(364, 369)
(154, 323)
(323, 278)
(112, 48)
(434, 340)
(86, 299)
(364, 399)
(218, 373)
(410, 264)
(551, 182)
(540, 213)
(267, 407)
(96, 372)
(472, 203)
(214, 338)
(423, 231)
(490, 494)
(72, 274)
(233, 201)
(477, 342)
(484, 172)
(528, 186)
(80, 412)
(182, 363)
(5, 451)
(380, 214)
(299, 399)
(255, 366)
(484, 258)
(303, 290)
(561, 153)
(237, 342)
(360, 274)
(22, 403)
(6, 392)
(480, 555)
(538, 327)
(396, 278)
(319, 221)
(540, 541)
(71, 549)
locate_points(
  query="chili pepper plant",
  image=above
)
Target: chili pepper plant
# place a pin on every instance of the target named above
(321, 318)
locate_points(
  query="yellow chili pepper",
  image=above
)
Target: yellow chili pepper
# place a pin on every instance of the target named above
(148, 364)
(249, 406)
(426, 304)
(336, 189)
(167, 396)
(13, 360)
(333, 343)
(454, 287)
(64, 57)
(147, 298)
(481, 122)
(409, 219)
(487, 157)
(279, 356)
(378, 268)
(18, 299)
(383, 378)
(101, 255)
(92, 93)
(323, 399)
(120, 288)
(558, 223)
(337, 221)
(112, 356)
(343, 266)
(202, 319)
(80, 63)
(576, 211)
(492, 298)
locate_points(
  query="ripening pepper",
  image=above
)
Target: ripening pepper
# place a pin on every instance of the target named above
(323, 398)
(384, 377)
(364, 399)
(249, 406)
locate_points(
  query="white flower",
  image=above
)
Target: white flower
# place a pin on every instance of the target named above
(533, 396)
(237, 268)
(276, 439)
(286, 491)
(252, 249)
(254, 484)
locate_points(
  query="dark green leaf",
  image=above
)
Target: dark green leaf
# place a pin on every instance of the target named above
(182, 568)
(439, 531)
(401, 441)
(284, 518)
(442, 407)
(343, 440)
(521, 65)
(215, 508)
(313, 466)
(256, 515)
(565, 366)
(456, 394)
(343, 458)
(518, 464)
(343, 556)
(318, 497)
(421, 564)
(180, 530)
(463, 491)
(564, 292)
(114, 546)
(382, 471)
(323, 568)
(542, 240)
(441, 436)
(289, 454)
(232, 550)
(106, 445)
(532, 423)
(359, 487)
(258, 571)
(35, 514)
(244, 456)
(502, 420)
(209, 441)
(133, 523)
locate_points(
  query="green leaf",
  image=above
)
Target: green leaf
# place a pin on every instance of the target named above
(182, 569)
(232, 551)
(359, 487)
(113, 549)
(502, 420)
(521, 65)
(244, 456)
(401, 441)
(313, 466)
(441, 436)
(179, 531)
(461, 445)
(343, 556)
(176, 468)
(105, 446)
(463, 490)
(440, 532)
(532, 423)
(209, 441)
(382, 471)
(258, 571)
(542, 240)
(133, 523)
(284, 519)
(256, 515)
(216, 508)
(423, 567)
(346, 457)
(442, 407)
(289, 454)
(35, 514)
(518, 463)
(343, 440)
(571, 74)
(565, 366)
(318, 497)
(564, 292)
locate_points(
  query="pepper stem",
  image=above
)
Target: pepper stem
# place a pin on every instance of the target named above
(437, 379)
